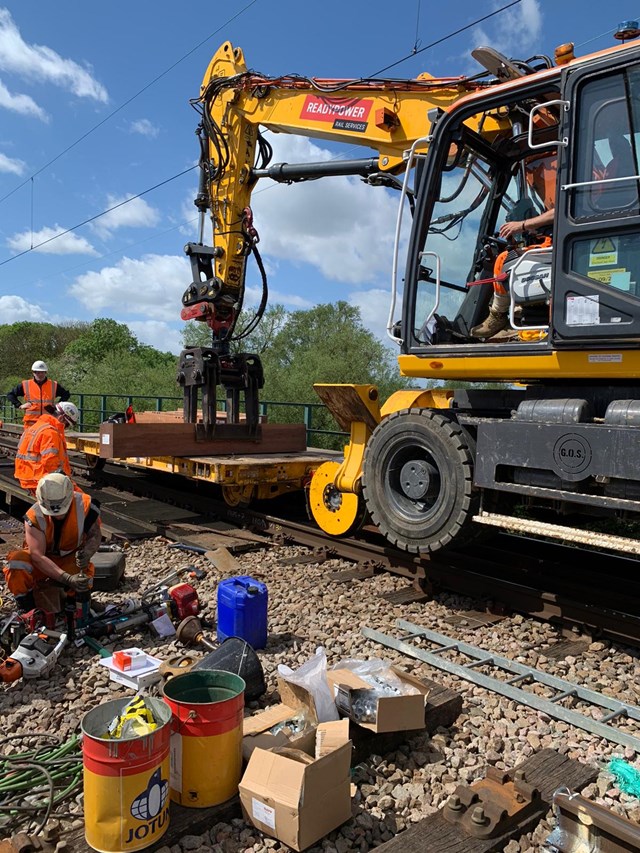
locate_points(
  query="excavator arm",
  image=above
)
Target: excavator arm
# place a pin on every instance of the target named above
(387, 116)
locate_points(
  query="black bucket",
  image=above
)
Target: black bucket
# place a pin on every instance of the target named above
(237, 656)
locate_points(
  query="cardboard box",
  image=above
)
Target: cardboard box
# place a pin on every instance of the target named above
(394, 713)
(295, 802)
(128, 659)
(255, 729)
(138, 678)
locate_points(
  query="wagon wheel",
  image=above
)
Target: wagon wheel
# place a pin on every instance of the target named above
(94, 463)
(418, 481)
(238, 496)
(337, 513)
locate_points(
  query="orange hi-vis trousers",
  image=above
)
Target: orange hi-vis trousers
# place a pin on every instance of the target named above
(23, 577)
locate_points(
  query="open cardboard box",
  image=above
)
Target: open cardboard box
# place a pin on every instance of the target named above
(394, 713)
(255, 729)
(297, 802)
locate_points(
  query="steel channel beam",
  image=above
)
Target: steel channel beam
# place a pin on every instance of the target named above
(495, 685)
(516, 668)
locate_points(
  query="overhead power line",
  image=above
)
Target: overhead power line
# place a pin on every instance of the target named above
(125, 103)
(415, 52)
(98, 215)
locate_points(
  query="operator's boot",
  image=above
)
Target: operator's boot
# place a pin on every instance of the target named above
(497, 320)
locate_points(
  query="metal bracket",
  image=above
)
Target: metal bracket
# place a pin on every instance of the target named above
(492, 805)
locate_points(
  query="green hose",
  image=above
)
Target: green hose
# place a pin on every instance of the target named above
(52, 772)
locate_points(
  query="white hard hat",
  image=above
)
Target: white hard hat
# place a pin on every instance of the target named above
(54, 494)
(69, 412)
(39, 366)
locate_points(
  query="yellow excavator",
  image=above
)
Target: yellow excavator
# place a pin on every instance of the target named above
(522, 283)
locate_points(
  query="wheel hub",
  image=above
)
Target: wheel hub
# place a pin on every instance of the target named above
(417, 478)
(332, 498)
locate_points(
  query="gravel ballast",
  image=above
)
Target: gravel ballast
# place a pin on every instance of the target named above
(306, 610)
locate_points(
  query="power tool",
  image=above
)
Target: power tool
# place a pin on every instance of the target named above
(35, 657)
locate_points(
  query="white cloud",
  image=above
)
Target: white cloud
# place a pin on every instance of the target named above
(68, 244)
(514, 32)
(14, 309)
(374, 309)
(253, 295)
(144, 127)
(151, 286)
(134, 214)
(15, 167)
(41, 63)
(339, 225)
(157, 334)
(22, 104)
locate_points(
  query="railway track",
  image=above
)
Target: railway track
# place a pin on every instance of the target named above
(574, 587)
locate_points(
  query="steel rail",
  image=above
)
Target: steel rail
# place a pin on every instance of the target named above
(503, 575)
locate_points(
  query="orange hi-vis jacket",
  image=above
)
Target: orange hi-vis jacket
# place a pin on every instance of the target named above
(72, 533)
(42, 450)
(21, 575)
(38, 396)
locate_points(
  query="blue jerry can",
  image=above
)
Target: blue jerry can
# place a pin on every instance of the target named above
(242, 610)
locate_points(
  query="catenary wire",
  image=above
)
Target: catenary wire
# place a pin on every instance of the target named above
(125, 103)
(450, 35)
(98, 215)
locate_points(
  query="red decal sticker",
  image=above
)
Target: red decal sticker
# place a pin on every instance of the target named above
(329, 109)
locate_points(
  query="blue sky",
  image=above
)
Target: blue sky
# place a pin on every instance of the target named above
(65, 66)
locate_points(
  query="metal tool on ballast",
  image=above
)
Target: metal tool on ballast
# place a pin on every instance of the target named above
(35, 657)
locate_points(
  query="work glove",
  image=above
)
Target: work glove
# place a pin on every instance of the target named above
(25, 405)
(82, 559)
(78, 583)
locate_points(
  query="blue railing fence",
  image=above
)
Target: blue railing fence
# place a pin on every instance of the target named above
(96, 408)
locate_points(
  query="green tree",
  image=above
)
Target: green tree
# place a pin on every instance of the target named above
(22, 343)
(327, 344)
(198, 334)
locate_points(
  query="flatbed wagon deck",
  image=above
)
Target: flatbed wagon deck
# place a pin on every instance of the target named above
(243, 477)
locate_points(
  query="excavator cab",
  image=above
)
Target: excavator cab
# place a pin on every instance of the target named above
(456, 255)
(567, 140)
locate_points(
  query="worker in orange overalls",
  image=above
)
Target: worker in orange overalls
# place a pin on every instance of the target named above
(37, 392)
(62, 533)
(42, 448)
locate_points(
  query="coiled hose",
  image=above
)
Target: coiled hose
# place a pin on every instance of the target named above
(34, 782)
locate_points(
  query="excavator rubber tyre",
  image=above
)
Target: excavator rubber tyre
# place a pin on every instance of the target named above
(417, 481)
(337, 513)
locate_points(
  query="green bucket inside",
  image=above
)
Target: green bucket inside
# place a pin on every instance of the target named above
(204, 687)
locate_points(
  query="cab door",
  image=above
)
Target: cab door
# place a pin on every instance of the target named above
(596, 282)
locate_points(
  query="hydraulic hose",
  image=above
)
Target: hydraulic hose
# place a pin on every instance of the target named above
(34, 782)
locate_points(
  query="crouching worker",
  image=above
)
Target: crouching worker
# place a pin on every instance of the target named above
(62, 533)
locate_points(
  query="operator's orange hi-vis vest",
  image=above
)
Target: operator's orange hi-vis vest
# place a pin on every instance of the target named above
(42, 449)
(20, 573)
(38, 396)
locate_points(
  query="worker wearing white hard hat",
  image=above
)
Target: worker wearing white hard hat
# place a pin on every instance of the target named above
(42, 448)
(62, 533)
(37, 392)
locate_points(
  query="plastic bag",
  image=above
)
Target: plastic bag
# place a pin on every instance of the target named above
(136, 719)
(379, 675)
(312, 675)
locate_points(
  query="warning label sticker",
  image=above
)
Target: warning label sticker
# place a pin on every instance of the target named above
(605, 275)
(605, 358)
(603, 252)
(583, 310)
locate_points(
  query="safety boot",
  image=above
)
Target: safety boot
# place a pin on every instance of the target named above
(497, 320)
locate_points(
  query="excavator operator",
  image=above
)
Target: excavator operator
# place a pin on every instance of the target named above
(534, 228)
